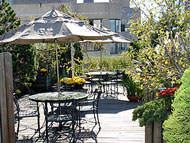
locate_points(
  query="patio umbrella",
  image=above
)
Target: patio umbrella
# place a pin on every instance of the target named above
(54, 27)
(115, 38)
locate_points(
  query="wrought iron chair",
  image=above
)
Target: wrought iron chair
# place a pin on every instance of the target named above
(109, 85)
(91, 105)
(61, 113)
(25, 112)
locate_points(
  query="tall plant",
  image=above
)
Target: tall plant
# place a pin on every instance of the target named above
(24, 56)
(163, 40)
(176, 128)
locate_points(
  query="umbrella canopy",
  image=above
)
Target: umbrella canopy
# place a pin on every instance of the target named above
(115, 38)
(53, 25)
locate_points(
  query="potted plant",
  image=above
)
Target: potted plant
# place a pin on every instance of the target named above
(73, 83)
(132, 88)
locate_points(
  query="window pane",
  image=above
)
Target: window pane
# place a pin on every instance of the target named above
(123, 47)
(85, 1)
(115, 48)
(112, 25)
(122, 27)
(118, 26)
(97, 23)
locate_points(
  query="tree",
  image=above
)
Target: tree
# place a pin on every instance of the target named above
(24, 56)
(176, 128)
(163, 38)
(8, 19)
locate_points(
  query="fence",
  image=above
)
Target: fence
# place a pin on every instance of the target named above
(7, 130)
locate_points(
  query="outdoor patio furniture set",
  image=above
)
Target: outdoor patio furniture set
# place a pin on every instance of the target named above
(108, 82)
(67, 109)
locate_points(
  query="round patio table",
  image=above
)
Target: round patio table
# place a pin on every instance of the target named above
(64, 97)
(101, 73)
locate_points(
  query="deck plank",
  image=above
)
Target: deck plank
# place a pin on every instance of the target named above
(116, 122)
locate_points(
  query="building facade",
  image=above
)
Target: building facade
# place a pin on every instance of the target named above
(114, 14)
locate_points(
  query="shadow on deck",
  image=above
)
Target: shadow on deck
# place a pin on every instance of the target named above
(116, 122)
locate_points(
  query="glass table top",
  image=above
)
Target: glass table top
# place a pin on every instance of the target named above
(54, 97)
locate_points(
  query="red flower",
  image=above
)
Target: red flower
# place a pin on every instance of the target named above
(169, 91)
(5, 25)
(21, 61)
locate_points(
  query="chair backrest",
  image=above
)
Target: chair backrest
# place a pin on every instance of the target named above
(15, 99)
(106, 77)
(97, 94)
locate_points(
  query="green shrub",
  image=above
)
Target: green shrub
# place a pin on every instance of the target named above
(150, 112)
(177, 127)
(157, 110)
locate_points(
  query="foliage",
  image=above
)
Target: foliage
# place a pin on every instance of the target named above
(163, 44)
(156, 110)
(8, 19)
(132, 87)
(176, 128)
(108, 63)
(24, 56)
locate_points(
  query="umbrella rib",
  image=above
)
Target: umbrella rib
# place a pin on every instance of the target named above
(81, 38)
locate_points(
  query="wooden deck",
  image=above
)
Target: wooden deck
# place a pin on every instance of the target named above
(116, 122)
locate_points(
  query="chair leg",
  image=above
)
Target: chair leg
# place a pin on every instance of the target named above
(18, 127)
(98, 120)
(95, 117)
(38, 119)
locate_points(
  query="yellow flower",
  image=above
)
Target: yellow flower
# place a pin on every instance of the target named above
(43, 70)
(62, 80)
(75, 80)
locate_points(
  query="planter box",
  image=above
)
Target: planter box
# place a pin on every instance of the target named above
(153, 133)
(42, 83)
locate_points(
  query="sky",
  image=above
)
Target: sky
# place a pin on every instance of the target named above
(81, 1)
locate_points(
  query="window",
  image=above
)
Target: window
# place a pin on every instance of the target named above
(86, 1)
(122, 27)
(115, 49)
(115, 25)
(124, 47)
(90, 47)
(118, 25)
(96, 22)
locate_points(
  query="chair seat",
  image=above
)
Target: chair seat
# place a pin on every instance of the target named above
(87, 108)
(24, 113)
(59, 118)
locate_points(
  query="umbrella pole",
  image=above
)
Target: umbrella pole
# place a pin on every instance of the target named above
(58, 82)
(72, 59)
(101, 58)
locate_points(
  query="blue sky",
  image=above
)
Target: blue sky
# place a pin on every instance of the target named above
(80, 1)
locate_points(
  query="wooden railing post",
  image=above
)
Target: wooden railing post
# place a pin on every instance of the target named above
(7, 129)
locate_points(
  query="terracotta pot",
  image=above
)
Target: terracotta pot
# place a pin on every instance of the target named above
(134, 98)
